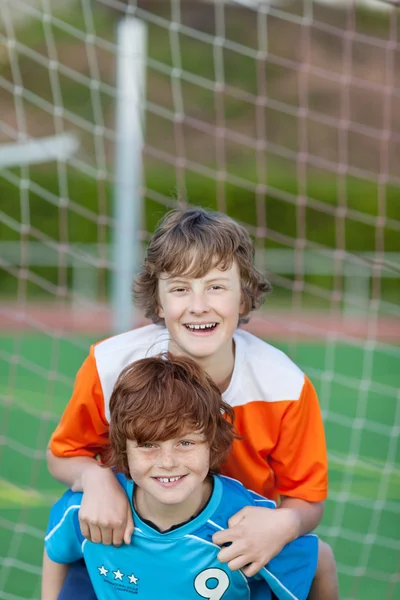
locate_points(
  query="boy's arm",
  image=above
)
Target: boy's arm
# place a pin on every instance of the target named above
(82, 434)
(306, 515)
(53, 577)
(291, 573)
(83, 427)
(299, 464)
(105, 515)
(257, 534)
(75, 470)
(299, 459)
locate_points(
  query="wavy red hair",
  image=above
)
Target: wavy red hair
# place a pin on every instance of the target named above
(161, 398)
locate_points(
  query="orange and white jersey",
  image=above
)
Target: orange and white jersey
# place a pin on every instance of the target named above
(282, 449)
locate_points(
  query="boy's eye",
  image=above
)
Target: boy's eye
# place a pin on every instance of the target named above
(186, 443)
(179, 289)
(217, 287)
(147, 445)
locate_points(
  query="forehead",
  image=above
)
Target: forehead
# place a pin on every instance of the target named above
(186, 434)
(230, 272)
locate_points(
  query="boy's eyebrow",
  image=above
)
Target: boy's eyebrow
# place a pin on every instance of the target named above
(177, 279)
(183, 279)
(218, 278)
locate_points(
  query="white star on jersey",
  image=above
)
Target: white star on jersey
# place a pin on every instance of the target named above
(103, 570)
(133, 579)
(118, 574)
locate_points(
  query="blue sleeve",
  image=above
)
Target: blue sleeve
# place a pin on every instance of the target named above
(63, 540)
(291, 572)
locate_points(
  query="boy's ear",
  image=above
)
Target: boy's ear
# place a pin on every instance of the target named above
(242, 306)
(160, 312)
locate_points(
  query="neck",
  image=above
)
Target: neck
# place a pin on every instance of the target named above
(219, 366)
(165, 516)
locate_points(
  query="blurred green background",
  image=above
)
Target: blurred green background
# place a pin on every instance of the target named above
(340, 133)
(286, 119)
(361, 520)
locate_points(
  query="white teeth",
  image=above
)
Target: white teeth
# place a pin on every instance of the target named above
(202, 326)
(167, 479)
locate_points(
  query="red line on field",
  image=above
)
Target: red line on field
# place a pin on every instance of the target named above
(55, 319)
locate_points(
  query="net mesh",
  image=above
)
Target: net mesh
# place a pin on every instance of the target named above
(284, 115)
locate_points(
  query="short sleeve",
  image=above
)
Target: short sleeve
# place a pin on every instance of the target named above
(299, 459)
(83, 428)
(291, 573)
(63, 540)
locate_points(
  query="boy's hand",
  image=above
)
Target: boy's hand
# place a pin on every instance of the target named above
(256, 535)
(105, 514)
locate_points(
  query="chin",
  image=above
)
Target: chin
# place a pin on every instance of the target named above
(203, 347)
(205, 354)
(174, 501)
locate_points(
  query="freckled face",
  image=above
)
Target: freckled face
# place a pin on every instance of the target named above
(202, 314)
(170, 472)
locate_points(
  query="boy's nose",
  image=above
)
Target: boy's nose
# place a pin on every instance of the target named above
(168, 459)
(199, 303)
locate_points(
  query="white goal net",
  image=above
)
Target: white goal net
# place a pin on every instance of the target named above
(285, 115)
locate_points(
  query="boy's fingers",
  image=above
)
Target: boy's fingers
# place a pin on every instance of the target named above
(222, 537)
(236, 518)
(229, 553)
(128, 536)
(129, 528)
(238, 563)
(95, 534)
(117, 536)
(107, 536)
(252, 569)
(84, 528)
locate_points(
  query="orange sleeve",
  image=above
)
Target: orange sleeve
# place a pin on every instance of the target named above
(83, 428)
(299, 459)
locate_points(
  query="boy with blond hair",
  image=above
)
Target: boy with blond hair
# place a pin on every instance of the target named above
(197, 284)
(168, 467)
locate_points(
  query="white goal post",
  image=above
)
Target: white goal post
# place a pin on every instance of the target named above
(285, 115)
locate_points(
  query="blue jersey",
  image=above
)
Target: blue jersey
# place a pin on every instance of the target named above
(181, 563)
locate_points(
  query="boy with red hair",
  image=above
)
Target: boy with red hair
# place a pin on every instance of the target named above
(168, 469)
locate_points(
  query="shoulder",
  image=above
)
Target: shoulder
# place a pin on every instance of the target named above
(258, 351)
(64, 539)
(264, 372)
(235, 491)
(114, 354)
(125, 483)
(137, 343)
(236, 496)
(64, 513)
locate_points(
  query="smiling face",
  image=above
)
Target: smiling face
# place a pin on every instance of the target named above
(170, 475)
(190, 243)
(162, 398)
(202, 314)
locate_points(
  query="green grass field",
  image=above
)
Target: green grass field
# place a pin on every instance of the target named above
(358, 390)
